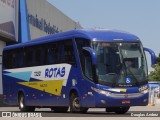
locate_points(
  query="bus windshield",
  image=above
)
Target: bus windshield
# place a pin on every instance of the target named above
(120, 64)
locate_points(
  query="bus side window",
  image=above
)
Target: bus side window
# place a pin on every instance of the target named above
(7, 62)
(80, 42)
(67, 52)
(28, 57)
(84, 57)
(17, 59)
(20, 58)
(13, 59)
(52, 52)
(43, 55)
(87, 65)
(39, 56)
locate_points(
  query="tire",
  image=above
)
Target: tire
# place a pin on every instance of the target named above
(59, 109)
(22, 106)
(118, 110)
(75, 105)
(122, 110)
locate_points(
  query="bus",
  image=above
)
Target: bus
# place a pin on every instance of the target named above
(77, 69)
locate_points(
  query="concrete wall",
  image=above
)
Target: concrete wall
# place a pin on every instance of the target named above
(4, 39)
(42, 10)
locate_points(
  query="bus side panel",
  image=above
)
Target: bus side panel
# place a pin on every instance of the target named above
(72, 83)
(9, 90)
(45, 99)
(33, 97)
(41, 85)
(39, 98)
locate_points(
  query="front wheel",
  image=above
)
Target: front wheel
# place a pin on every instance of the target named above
(75, 105)
(118, 110)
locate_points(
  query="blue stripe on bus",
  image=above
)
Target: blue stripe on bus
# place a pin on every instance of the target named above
(20, 75)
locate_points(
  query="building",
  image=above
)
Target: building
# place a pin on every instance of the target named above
(45, 19)
(24, 20)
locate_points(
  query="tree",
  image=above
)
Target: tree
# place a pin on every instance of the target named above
(155, 75)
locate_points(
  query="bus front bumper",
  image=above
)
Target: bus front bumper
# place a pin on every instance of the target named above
(125, 99)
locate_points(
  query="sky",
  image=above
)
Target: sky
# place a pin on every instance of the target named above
(140, 17)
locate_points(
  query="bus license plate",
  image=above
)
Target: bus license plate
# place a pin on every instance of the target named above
(126, 101)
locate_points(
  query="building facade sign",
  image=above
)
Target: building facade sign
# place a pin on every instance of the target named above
(8, 19)
(41, 24)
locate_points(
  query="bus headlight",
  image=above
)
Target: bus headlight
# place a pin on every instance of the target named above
(101, 91)
(144, 91)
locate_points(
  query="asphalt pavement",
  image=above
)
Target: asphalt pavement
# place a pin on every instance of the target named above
(138, 111)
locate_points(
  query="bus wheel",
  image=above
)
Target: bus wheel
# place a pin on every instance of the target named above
(122, 110)
(75, 105)
(59, 109)
(22, 106)
(117, 110)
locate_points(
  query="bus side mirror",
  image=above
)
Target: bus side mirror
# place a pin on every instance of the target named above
(90, 53)
(153, 56)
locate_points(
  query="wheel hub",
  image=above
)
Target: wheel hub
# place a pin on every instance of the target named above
(21, 103)
(76, 103)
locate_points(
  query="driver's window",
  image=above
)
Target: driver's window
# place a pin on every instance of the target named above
(87, 65)
(85, 57)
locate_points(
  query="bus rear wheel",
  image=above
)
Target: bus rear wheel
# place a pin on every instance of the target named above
(22, 106)
(118, 110)
(59, 109)
(75, 105)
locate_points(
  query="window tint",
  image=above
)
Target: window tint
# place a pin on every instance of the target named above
(80, 42)
(52, 54)
(87, 65)
(68, 54)
(13, 58)
(46, 54)
(39, 55)
(19, 58)
(29, 57)
(85, 61)
(7, 59)
(61, 52)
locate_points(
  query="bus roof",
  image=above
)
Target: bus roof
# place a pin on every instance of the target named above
(94, 34)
